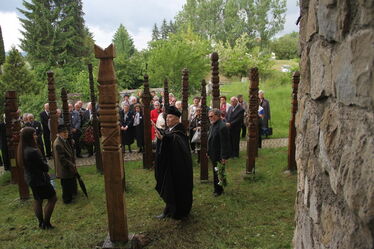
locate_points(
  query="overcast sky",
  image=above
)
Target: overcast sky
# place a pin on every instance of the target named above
(104, 17)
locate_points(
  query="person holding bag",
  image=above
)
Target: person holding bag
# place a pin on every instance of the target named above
(36, 176)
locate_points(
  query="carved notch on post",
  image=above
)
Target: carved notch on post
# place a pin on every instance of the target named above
(215, 80)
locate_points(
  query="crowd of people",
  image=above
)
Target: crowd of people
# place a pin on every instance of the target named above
(173, 145)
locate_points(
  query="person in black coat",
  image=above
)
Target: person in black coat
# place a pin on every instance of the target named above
(234, 121)
(126, 126)
(44, 117)
(36, 176)
(31, 122)
(173, 170)
(219, 149)
(139, 127)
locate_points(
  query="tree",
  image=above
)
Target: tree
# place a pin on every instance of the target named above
(130, 71)
(123, 42)
(39, 31)
(70, 32)
(2, 50)
(227, 20)
(167, 58)
(16, 76)
(286, 47)
(236, 60)
(155, 33)
(164, 31)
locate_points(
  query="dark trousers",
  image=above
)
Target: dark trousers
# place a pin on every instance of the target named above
(244, 130)
(235, 141)
(217, 188)
(47, 143)
(69, 188)
(77, 136)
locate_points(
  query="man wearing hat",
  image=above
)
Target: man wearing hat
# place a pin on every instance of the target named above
(173, 171)
(65, 164)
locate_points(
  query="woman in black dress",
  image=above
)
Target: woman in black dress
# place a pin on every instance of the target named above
(36, 175)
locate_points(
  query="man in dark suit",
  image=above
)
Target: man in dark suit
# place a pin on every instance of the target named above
(76, 128)
(234, 121)
(264, 103)
(218, 145)
(44, 117)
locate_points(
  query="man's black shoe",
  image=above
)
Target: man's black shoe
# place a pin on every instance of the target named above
(217, 194)
(161, 216)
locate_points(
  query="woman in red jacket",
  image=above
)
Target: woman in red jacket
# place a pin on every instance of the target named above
(154, 115)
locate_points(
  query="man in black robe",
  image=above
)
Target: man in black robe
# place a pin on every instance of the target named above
(173, 171)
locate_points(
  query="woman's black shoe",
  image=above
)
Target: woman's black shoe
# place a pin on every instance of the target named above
(48, 225)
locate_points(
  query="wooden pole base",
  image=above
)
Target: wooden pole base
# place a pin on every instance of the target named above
(132, 243)
(249, 176)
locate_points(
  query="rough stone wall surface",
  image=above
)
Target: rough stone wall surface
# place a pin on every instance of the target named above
(335, 126)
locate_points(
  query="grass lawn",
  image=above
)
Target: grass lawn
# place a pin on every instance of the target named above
(251, 214)
(279, 96)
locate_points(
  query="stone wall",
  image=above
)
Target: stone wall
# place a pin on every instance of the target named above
(335, 126)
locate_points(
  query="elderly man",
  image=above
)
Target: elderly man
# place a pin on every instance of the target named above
(173, 169)
(31, 122)
(234, 121)
(264, 103)
(219, 149)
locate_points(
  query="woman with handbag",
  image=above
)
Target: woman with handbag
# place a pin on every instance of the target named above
(36, 176)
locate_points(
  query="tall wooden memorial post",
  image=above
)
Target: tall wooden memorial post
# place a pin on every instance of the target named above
(112, 156)
(204, 135)
(52, 106)
(66, 113)
(13, 136)
(147, 154)
(8, 132)
(185, 99)
(252, 142)
(292, 129)
(215, 80)
(95, 122)
(166, 97)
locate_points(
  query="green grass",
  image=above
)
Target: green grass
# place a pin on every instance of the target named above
(251, 214)
(278, 91)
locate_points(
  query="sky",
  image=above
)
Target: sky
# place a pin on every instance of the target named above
(104, 17)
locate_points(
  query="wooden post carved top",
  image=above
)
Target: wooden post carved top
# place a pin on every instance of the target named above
(215, 80)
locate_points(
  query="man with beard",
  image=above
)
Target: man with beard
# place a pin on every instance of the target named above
(173, 171)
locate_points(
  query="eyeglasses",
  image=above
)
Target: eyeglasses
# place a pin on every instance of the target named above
(211, 116)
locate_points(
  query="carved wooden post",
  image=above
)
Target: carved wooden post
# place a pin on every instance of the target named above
(95, 123)
(215, 80)
(204, 134)
(185, 99)
(166, 97)
(147, 154)
(112, 156)
(292, 129)
(12, 118)
(52, 106)
(253, 121)
(65, 113)
(8, 132)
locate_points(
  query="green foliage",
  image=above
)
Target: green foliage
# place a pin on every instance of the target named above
(2, 49)
(255, 213)
(236, 60)
(54, 32)
(227, 20)
(124, 43)
(16, 75)
(286, 47)
(155, 33)
(167, 58)
(130, 71)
